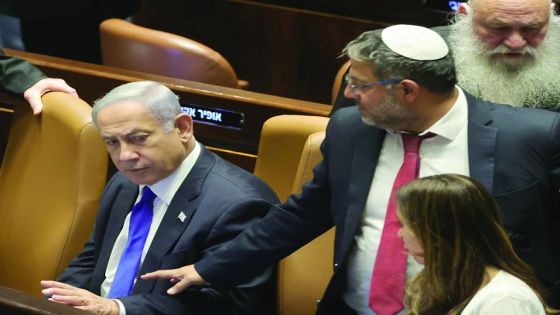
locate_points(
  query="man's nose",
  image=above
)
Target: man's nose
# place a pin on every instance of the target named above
(350, 92)
(515, 40)
(127, 153)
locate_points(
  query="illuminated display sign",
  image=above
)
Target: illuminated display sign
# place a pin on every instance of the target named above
(214, 116)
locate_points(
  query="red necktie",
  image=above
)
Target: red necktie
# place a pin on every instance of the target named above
(386, 293)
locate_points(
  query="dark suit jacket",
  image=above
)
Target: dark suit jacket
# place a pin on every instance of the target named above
(219, 199)
(514, 152)
(17, 75)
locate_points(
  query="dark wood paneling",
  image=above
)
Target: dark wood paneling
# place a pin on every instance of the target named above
(282, 50)
(238, 146)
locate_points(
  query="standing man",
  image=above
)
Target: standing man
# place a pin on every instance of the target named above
(20, 77)
(410, 118)
(505, 51)
(172, 203)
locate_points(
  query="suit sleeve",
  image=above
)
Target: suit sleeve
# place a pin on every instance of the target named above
(17, 75)
(284, 229)
(240, 299)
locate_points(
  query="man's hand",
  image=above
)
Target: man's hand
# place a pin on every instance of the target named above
(34, 93)
(183, 278)
(79, 298)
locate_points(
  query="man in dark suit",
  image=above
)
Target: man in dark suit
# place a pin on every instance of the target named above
(20, 77)
(404, 83)
(201, 203)
(505, 51)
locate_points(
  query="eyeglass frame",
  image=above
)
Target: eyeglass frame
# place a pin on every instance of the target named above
(360, 86)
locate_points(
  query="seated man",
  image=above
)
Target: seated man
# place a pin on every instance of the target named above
(20, 77)
(171, 204)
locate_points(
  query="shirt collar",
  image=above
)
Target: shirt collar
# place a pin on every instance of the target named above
(454, 120)
(451, 123)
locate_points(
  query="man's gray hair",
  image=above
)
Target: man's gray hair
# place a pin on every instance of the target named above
(435, 75)
(160, 100)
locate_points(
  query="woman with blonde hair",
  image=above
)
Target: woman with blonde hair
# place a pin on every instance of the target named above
(451, 225)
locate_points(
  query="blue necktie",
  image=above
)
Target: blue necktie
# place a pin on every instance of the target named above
(140, 221)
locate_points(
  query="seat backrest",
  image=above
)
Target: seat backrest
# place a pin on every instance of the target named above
(129, 46)
(335, 90)
(304, 275)
(53, 173)
(280, 145)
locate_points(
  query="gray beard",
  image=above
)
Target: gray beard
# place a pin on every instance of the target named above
(535, 83)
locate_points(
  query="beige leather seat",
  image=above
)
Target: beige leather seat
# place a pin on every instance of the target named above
(304, 275)
(280, 145)
(52, 176)
(129, 46)
(288, 151)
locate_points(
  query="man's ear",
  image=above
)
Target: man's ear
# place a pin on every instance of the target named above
(184, 124)
(463, 8)
(410, 90)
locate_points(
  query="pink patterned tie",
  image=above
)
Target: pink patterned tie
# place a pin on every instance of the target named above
(386, 293)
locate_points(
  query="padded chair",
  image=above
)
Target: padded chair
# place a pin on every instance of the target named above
(304, 275)
(338, 81)
(129, 46)
(280, 145)
(288, 151)
(52, 176)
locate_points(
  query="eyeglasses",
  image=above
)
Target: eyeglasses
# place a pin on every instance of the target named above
(363, 86)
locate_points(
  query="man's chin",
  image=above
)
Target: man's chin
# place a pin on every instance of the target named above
(368, 120)
(139, 176)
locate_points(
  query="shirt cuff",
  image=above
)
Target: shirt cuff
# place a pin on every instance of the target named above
(122, 310)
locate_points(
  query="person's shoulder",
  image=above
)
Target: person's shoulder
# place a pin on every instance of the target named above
(234, 181)
(505, 294)
(347, 116)
(507, 115)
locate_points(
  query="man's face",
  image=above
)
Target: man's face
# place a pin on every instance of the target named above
(510, 29)
(137, 143)
(377, 104)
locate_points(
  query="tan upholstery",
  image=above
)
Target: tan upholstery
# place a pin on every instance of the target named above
(280, 145)
(53, 172)
(338, 81)
(303, 276)
(129, 46)
(288, 151)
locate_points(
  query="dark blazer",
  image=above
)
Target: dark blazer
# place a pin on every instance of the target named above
(17, 75)
(219, 200)
(514, 152)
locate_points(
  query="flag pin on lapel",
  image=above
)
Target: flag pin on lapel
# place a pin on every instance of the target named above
(182, 216)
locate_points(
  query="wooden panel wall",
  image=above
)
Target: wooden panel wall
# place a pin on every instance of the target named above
(239, 146)
(282, 50)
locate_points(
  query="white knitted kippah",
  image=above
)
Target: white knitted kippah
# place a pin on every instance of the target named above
(415, 42)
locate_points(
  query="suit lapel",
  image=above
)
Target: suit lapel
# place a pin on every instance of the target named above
(172, 227)
(482, 142)
(366, 153)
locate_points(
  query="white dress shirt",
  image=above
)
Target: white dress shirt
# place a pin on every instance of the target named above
(164, 190)
(447, 152)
